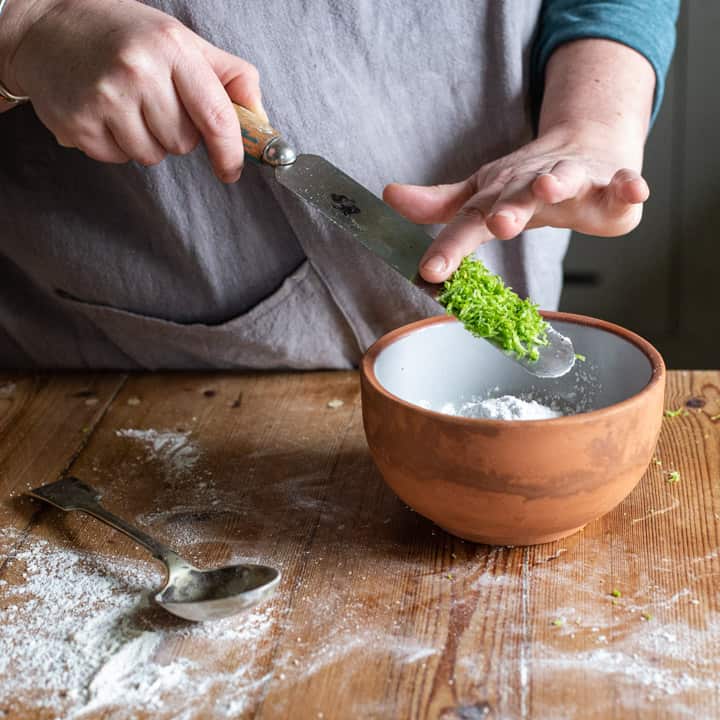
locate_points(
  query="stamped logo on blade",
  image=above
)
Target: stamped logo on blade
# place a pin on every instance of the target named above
(344, 204)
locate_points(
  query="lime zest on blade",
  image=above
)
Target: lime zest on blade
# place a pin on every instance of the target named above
(491, 310)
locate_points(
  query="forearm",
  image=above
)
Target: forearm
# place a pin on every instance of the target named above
(599, 91)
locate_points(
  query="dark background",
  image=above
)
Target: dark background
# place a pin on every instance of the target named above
(663, 280)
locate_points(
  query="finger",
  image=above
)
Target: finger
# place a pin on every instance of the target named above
(103, 148)
(168, 122)
(134, 138)
(465, 233)
(240, 78)
(514, 208)
(608, 210)
(566, 179)
(426, 204)
(211, 111)
(629, 187)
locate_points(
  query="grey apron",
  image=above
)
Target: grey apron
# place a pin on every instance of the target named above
(112, 266)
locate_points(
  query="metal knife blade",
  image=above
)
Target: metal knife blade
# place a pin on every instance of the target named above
(356, 210)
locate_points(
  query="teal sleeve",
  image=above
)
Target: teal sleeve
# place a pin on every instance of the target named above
(647, 26)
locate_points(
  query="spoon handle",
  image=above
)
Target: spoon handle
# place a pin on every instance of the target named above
(73, 494)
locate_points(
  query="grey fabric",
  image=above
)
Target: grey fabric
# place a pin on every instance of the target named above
(126, 267)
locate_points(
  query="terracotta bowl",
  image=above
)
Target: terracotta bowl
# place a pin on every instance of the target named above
(511, 482)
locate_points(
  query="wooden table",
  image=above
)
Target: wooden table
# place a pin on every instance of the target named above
(379, 614)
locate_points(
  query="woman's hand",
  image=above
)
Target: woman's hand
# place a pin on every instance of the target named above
(563, 179)
(583, 171)
(122, 81)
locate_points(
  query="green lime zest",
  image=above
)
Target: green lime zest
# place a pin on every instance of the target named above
(580, 357)
(675, 413)
(673, 477)
(491, 310)
(616, 593)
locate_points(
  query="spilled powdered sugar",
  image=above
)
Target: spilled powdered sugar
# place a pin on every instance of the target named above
(86, 626)
(174, 449)
(80, 635)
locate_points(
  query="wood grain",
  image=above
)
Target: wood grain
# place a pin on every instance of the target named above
(380, 614)
(256, 133)
(44, 423)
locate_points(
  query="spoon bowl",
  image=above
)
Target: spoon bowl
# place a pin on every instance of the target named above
(217, 593)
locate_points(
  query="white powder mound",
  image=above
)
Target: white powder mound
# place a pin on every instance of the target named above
(506, 407)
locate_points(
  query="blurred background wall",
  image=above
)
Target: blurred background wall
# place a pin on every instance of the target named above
(663, 280)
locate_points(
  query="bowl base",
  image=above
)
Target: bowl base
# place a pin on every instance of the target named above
(516, 540)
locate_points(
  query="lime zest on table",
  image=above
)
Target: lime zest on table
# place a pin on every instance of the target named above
(673, 476)
(675, 413)
(491, 310)
(580, 357)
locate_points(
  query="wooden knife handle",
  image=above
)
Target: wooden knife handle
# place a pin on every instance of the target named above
(261, 141)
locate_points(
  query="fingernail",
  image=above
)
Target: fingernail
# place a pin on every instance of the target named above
(435, 263)
(506, 214)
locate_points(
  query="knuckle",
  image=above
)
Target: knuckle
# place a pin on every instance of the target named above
(105, 93)
(220, 119)
(170, 32)
(472, 212)
(134, 61)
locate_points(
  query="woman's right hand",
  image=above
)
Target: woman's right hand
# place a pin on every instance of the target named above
(122, 81)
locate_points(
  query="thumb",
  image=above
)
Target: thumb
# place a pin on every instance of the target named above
(427, 204)
(240, 78)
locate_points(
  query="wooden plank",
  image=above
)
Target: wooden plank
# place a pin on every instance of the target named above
(44, 423)
(380, 614)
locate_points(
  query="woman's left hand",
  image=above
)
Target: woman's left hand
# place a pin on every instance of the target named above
(581, 178)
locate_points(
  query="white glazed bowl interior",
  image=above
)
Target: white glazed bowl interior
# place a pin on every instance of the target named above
(443, 363)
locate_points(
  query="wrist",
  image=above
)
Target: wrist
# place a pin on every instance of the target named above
(17, 18)
(600, 93)
(623, 140)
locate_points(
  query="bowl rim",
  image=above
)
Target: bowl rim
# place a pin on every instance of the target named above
(657, 365)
